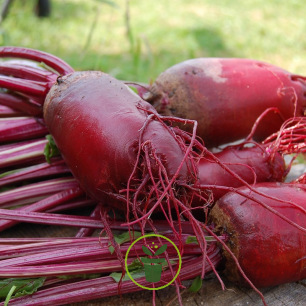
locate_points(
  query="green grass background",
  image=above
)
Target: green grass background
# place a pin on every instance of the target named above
(95, 34)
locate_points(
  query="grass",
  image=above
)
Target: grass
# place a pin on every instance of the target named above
(95, 35)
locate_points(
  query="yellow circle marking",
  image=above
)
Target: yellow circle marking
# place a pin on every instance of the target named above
(161, 287)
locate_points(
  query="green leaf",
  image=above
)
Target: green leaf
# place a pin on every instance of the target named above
(51, 149)
(146, 250)
(23, 286)
(117, 275)
(135, 265)
(133, 88)
(136, 270)
(193, 239)
(161, 250)
(196, 284)
(124, 237)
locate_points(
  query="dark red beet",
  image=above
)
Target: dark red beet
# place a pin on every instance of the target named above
(252, 164)
(269, 249)
(103, 130)
(226, 96)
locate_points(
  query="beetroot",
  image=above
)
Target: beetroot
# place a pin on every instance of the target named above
(112, 140)
(269, 250)
(226, 96)
(251, 164)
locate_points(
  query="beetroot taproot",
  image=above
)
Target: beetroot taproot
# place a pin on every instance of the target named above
(269, 250)
(227, 95)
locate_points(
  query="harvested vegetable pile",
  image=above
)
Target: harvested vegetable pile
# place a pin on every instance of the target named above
(71, 140)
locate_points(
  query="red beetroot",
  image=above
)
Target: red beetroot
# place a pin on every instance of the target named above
(270, 250)
(242, 164)
(112, 140)
(252, 164)
(226, 96)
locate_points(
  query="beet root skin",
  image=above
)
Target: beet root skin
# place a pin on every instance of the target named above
(252, 164)
(96, 122)
(270, 250)
(227, 95)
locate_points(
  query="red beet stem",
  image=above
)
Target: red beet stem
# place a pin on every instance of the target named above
(72, 205)
(43, 253)
(47, 203)
(20, 103)
(15, 247)
(27, 87)
(61, 269)
(27, 72)
(106, 286)
(29, 193)
(85, 231)
(6, 111)
(53, 219)
(21, 128)
(78, 221)
(25, 53)
(57, 167)
(22, 152)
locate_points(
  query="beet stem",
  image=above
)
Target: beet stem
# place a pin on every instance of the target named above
(27, 87)
(57, 167)
(27, 72)
(106, 286)
(45, 204)
(25, 194)
(31, 54)
(20, 103)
